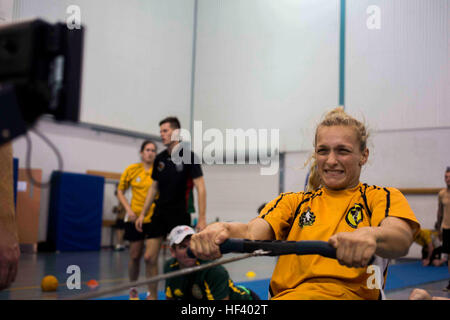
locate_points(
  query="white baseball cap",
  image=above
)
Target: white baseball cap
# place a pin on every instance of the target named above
(177, 235)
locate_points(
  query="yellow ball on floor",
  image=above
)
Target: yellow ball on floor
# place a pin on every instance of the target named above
(250, 274)
(49, 283)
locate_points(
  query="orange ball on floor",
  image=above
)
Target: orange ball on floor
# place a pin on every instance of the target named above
(49, 283)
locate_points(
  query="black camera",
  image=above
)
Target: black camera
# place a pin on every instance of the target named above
(40, 73)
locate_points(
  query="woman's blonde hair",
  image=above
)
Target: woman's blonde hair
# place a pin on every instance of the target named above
(335, 117)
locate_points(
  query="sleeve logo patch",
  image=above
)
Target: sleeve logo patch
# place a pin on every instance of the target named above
(307, 218)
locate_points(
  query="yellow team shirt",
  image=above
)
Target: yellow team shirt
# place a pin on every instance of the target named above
(426, 236)
(317, 216)
(140, 181)
(423, 237)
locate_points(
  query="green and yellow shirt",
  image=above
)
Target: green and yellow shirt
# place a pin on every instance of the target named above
(210, 284)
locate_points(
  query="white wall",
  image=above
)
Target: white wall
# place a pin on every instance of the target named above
(409, 159)
(266, 64)
(258, 63)
(296, 172)
(137, 58)
(398, 76)
(234, 192)
(6, 10)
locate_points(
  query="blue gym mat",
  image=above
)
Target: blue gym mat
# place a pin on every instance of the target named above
(409, 274)
(406, 274)
(260, 287)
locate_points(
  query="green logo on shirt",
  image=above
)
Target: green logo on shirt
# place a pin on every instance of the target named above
(307, 218)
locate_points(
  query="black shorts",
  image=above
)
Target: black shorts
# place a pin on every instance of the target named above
(120, 224)
(131, 233)
(165, 219)
(446, 241)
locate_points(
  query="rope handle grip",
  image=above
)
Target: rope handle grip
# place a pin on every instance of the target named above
(278, 247)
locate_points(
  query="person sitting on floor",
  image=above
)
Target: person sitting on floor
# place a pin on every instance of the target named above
(431, 247)
(209, 284)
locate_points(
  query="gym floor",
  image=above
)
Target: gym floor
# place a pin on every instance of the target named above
(109, 268)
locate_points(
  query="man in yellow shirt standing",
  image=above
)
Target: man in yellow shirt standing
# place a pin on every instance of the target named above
(138, 177)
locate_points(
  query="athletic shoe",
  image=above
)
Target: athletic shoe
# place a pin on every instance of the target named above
(119, 247)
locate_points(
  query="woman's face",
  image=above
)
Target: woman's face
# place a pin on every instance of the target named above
(339, 159)
(148, 155)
